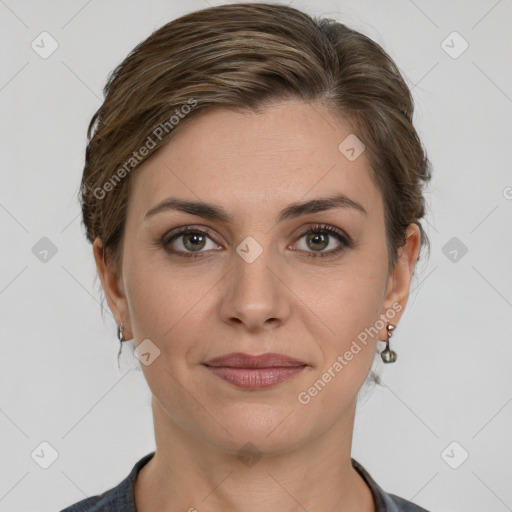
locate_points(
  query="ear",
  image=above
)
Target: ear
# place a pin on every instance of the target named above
(399, 281)
(113, 286)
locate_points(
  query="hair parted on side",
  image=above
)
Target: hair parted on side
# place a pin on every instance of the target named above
(245, 56)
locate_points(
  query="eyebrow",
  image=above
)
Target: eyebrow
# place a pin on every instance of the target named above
(218, 213)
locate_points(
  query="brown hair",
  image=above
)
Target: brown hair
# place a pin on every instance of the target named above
(243, 56)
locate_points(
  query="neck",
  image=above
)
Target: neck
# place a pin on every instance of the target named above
(186, 474)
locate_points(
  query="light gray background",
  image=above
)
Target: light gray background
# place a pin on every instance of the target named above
(59, 381)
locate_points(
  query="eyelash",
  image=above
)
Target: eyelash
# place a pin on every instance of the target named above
(344, 240)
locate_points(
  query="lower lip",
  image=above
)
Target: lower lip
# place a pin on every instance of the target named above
(255, 378)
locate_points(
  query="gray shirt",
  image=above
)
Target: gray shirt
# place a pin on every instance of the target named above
(121, 497)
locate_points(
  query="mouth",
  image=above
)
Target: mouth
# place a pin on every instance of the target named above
(255, 372)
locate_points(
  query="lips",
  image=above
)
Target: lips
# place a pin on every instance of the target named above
(241, 360)
(255, 372)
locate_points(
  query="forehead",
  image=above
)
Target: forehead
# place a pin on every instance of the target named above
(284, 153)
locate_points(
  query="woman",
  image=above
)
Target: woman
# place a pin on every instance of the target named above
(252, 189)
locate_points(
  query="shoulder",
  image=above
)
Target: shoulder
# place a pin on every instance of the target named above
(112, 500)
(117, 499)
(404, 505)
(384, 501)
(86, 505)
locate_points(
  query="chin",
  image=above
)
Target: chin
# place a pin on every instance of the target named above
(258, 430)
(250, 444)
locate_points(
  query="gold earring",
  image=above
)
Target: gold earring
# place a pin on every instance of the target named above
(389, 356)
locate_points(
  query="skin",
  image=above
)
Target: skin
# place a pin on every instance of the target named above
(309, 308)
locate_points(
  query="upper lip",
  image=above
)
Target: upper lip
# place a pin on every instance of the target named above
(241, 360)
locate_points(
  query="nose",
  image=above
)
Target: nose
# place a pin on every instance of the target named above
(255, 294)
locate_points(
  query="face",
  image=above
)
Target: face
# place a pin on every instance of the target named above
(254, 275)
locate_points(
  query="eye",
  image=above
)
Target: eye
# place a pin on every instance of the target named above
(320, 237)
(192, 242)
(188, 242)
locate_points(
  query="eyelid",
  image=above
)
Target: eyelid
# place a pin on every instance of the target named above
(344, 239)
(321, 227)
(219, 239)
(176, 233)
(169, 235)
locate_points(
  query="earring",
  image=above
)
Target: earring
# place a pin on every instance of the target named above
(121, 339)
(120, 332)
(388, 356)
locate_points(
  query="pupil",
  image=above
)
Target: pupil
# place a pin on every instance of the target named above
(318, 238)
(195, 238)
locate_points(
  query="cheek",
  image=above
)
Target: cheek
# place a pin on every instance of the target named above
(350, 307)
(346, 299)
(351, 313)
(166, 305)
